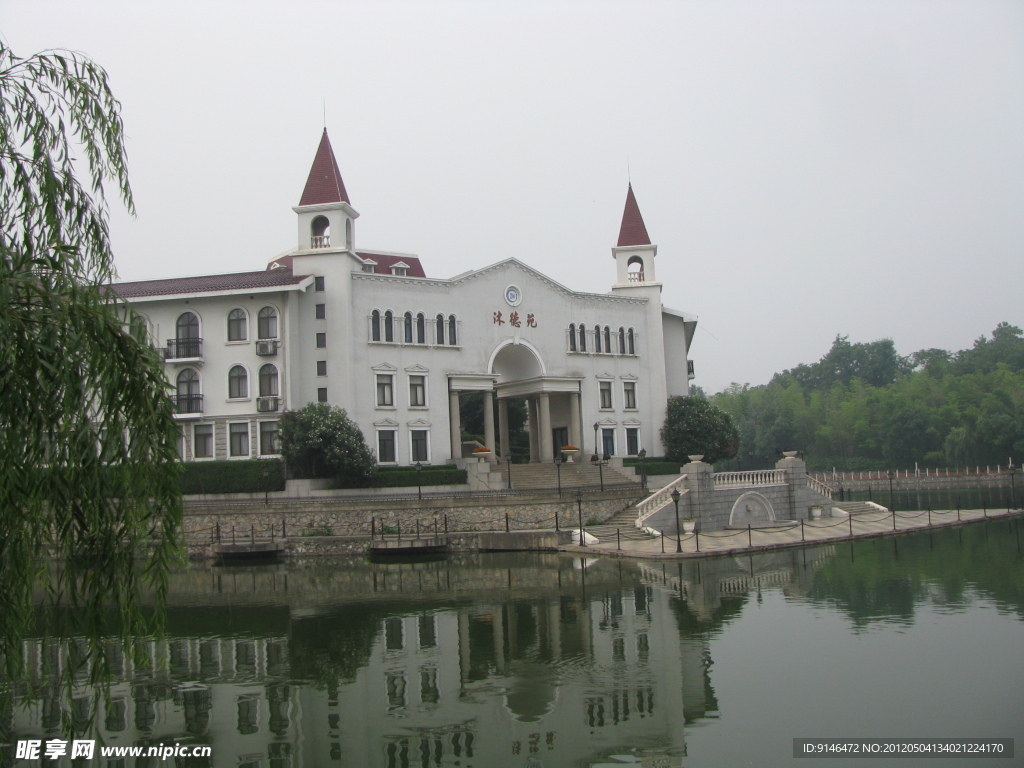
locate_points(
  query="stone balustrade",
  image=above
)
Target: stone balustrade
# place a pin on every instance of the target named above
(749, 479)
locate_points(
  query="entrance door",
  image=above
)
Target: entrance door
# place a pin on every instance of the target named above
(559, 438)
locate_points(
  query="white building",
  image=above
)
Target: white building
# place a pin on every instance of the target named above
(368, 330)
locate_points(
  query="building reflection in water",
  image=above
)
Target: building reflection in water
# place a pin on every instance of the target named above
(482, 660)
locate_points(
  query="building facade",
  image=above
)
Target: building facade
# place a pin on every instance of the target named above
(368, 330)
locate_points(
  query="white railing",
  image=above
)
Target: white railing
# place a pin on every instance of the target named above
(321, 241)
(818, 487)
(745, 479)
(659, 500)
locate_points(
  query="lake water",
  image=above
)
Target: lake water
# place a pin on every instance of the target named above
(552, 660)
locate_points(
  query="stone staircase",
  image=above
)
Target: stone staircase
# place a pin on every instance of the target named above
(579, 474)
(622, 526)
(859, 507)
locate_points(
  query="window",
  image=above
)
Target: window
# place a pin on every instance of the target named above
(385, 390)
(607, 339)
(421, 329)
(408, 327)
(389, 326)
(202, 441)
(417, 391)
(238, 382)
(236, 325)
(189, 398)
(629, 337)
(418, 439)
(597, 338)
(320, 311)
(187, 326)
(269, 432)
(321, 340)
(375, 325)
(572, 337)
(632, 441)
(606, 394)
(629, 395)
(238, 439)
(348, 234)
(399, 271)
(321, 367)
(318, 283)
(451, 331)
(440, 329)
(583, 338)
(266, 323)
(386, 446)
(608, 441)
(268, 380)
(622, 341)
(321, 395)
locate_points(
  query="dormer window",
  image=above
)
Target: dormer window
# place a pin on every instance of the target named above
(400, 269)
(369, 266)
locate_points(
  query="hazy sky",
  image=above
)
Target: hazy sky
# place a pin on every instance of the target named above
(807, 168)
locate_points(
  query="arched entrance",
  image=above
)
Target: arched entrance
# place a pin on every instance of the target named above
(751, 507)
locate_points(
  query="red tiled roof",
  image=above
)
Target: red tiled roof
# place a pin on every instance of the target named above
(324, 184)
(385, 262)
(207, 283)
(632, 231)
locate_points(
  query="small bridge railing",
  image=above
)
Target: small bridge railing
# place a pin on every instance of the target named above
(752, 478)
(819, 487)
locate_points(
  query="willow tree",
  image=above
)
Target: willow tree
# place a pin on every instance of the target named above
(89, 504)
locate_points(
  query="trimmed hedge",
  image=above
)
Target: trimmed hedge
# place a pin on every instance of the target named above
(403, 477)
(658, 465)
(243, 476)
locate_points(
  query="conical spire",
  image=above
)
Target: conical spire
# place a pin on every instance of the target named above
(324, 184)
(632, 231)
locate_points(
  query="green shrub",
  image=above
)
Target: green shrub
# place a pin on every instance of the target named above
(232, 476)
(320, 440)
(403, 477)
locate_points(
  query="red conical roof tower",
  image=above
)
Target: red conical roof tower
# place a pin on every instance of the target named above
(324, 184)
(632, 231)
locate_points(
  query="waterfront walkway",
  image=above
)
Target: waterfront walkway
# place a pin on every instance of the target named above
(791, 534)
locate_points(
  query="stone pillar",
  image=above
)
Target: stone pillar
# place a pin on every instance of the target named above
(575, 434)
(546, 449)
(489, 419)
(699, 499)
(531, 409)
(503, 438)
(455, 422)
(796, 480)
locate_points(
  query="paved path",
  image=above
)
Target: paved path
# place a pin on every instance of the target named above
(857, 526)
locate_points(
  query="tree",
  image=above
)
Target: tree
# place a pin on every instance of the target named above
(89, 469)
(320, 440)
(694, 426)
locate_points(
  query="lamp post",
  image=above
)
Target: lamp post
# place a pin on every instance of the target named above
(891, 507)
(675, 500)
(419, 481)
(558, 471)
(509, 460)
(596, 452)
(643, 469)
(1013, 485)
(266, 485)
(579, 512)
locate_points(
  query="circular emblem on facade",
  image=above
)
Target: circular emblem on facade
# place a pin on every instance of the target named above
(513, 296)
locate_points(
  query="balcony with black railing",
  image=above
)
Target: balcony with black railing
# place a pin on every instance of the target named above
(188, 405)
(689, 369)
(184, 349)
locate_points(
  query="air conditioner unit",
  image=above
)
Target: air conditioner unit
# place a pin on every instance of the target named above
(266, 347)
(267, 404)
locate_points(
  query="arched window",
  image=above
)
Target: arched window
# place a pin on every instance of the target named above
(389, 326)
(408, 327)
(375, 325)
(635, 269)
(236, 325)
(348, 234)
(320, 234)
(583, 338)
(266, 323)
(572, 337)
(622, 340)
(189, 399)
(440, 329)
(452, 340)
(238, 382)
(268, 380)
(421, 329)
(139, 328)
(597, 338)
(632, 346)
(187, 326)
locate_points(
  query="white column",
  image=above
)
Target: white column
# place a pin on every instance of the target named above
(546, 450)
(506, 449)
(575, 435)
(489, 419)
(531, 406)
(455, 422)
